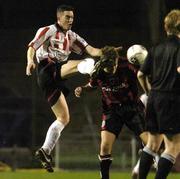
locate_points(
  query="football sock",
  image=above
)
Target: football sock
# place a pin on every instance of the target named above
(156, 160)
(52, 136)
(146, 161)
(165, 165)
(136, 168)
(105, 162)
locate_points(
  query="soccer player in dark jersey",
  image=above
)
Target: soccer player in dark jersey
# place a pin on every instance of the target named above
(52, 46)
(117, 80)
(162, 114)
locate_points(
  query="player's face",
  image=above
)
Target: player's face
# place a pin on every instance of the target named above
(65, 19)
(111, 68)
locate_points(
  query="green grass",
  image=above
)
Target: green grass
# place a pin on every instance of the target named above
(41, 174)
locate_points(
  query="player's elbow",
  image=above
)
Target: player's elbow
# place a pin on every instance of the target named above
(140, 75)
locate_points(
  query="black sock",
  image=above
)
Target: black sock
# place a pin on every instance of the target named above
(146, 161)
(105, 162)
(165, 165)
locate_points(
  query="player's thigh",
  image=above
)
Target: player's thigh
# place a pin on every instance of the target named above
(69, 68)
(107, 139)
(154, 141)
(61, 110)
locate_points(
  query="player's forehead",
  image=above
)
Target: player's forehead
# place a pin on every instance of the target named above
(67, 13)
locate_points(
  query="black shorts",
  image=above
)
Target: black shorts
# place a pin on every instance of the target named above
(163, 113)
(50, 81)
(131, 115)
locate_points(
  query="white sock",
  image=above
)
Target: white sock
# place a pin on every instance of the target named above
(136, 168)
(52, 136)
(156, 160)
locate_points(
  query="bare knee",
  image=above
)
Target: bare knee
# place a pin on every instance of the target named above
(105, 148)
(65, 119)
(172, 149)
(153, 146)
(154, 142)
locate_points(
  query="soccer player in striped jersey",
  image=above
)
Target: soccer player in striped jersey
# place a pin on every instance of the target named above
(52, 46)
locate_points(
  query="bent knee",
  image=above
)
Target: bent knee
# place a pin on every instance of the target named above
(106, 148)
(154, 147)
(65, 119)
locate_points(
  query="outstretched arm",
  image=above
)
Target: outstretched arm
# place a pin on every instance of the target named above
(30, 61)
(94, 52)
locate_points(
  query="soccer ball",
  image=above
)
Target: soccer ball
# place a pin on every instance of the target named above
(136, 54)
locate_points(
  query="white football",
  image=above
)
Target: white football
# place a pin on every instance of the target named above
(136, 54)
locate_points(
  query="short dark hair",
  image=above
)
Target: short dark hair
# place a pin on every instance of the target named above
(63, 8)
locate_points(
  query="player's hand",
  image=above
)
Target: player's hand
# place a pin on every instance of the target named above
(30, 66)
(78, 91)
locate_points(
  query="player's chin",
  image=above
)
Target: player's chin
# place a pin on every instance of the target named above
(69, 27)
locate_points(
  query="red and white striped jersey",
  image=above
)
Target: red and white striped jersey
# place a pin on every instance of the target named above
(51, 42)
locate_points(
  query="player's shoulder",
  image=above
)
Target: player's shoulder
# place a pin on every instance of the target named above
(72, 33)
(51, 27)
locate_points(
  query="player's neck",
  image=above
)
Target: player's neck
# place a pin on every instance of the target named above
(60, 28)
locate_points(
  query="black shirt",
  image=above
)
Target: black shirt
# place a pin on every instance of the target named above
(161, 64)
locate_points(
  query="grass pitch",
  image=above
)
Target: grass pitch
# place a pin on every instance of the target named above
(41, 174)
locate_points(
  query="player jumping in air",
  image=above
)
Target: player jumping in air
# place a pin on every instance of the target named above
(52, 46)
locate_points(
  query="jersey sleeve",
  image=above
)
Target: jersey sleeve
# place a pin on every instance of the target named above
(41, 36)
(79, 44)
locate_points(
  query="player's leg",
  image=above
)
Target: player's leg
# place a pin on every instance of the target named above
(107, 140)
(73, 66)
(168, 157)
(112, 123)
(61, 112)
(50, 83)
(136, 123)
(143, 137)
(169, 116)
(148, 154)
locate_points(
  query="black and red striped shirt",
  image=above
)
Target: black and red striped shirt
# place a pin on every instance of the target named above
(121, 87)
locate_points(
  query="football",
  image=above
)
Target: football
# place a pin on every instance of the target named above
(136, 54)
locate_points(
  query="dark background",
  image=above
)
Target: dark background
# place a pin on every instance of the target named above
(24, 114)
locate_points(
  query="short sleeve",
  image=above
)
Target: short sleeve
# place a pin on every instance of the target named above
(79, 44)
(41, 36)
